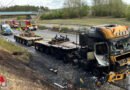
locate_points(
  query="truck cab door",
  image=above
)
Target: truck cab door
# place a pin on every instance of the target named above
(101, 52)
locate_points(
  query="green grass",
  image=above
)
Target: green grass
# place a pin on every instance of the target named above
(89, 21)
(10, 47)
(41, 26)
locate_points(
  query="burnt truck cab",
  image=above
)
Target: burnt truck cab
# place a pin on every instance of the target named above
(110, 45)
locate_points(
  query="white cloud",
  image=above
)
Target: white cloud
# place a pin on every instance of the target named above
(127, 1)
(52, 4)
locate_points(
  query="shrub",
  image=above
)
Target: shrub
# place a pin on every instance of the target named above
(64, 29)
(42, 27)
(52, 15)
(72, 12)
(84, 28)
(21, 17)
(56, 27)
(128, 14)
(71, 29)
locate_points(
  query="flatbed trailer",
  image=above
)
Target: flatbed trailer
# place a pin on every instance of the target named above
(28, 41)
(62, 51)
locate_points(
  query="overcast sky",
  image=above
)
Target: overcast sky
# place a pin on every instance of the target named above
(52, 4)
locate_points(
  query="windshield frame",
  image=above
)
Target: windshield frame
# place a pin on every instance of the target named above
(114, 41)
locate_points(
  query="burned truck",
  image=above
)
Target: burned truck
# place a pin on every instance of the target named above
(106, 49)
(103, 49)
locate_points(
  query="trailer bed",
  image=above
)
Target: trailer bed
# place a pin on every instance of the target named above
(62, 51)
(28, 41)
(64, 45)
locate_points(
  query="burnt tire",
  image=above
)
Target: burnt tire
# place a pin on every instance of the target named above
(66, 59)
(27, 44)
(36, 47)
(40, 49)
(16, 39)
(47, 51)
(21, 41)
(52, 52)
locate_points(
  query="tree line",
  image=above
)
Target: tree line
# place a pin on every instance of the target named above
(80, 8)
(71, 9)
(23, 8)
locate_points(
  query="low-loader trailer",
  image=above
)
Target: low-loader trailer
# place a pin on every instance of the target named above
(27, 38)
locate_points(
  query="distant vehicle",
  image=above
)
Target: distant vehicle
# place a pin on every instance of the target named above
(9, 22)
(5, 29)
(13, 23)
(28, 24)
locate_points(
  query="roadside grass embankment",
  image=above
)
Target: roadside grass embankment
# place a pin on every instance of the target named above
(11, 48)
(17, 71)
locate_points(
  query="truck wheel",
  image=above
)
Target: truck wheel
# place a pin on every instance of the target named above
(57, 56)
(37, 47)
(41, 49)
(52, 52)
(16, 39)
(65, 59)
(27, 43)
(24, 42)
(75, 62)
(47, 50)
(21, 41)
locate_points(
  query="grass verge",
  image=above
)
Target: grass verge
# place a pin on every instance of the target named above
(10, 47)
(89, 21)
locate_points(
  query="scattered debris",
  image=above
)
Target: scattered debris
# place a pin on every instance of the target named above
(58, 85)
(17, 53)
(53, 70)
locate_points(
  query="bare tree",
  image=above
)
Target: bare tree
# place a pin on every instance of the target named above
(108, 7)
(76, 8)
